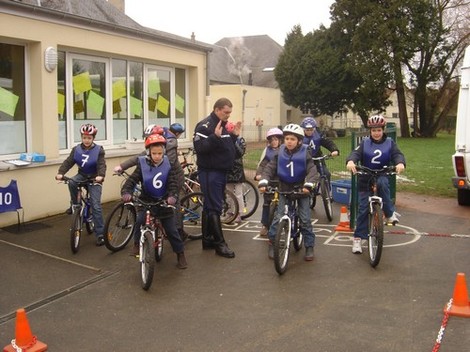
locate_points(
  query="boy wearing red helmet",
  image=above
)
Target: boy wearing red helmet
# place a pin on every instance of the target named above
(156, 166)
(375, 152)
(91, 164)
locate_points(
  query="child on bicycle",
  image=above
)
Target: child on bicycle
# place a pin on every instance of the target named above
(315, 141)
(274, 140)
(295, 169)
(159, 180)
(91, 164)
(171, 135)
(375, 152)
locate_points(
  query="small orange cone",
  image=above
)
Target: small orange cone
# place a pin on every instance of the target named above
(460, 304)
(343, 225)
(24, 339)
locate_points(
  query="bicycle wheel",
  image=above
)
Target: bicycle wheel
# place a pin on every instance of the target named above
(229, 208)
(75, 230)
(119, 226)
(297, 236)
(272, 212)
(147, 259)
(325, 192)
(89, 223)
(191, 205)
(281, 246)
(376, 235)
(250, 199)
(159, 238)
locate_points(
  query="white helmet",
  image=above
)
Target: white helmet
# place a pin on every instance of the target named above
(295, 129)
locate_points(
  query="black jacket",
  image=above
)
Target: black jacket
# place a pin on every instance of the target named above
(213, 153)
(237, 174)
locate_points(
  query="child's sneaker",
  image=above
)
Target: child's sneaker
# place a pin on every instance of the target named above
(357, 245)
(263, 232)
(393, 220)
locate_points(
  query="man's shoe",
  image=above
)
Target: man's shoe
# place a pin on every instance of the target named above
(100, 240)
(308, 254)
(393, 220)
(182, 264)
(357, 245)
(263, 232)
(224, 251)
(270, 250)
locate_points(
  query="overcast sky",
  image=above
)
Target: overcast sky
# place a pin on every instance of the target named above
(213, 20)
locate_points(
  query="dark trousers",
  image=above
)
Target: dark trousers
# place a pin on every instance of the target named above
(213, 187)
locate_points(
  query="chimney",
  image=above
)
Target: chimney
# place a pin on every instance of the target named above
(119, 4)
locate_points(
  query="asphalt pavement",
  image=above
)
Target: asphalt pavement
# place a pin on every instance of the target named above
(92, 300)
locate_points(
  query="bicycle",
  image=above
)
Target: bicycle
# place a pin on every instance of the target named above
(81, 213)
(288, 230)
(250, 199)
(191, 206)
(119, 223)
(152, 235)
(323, 187)
(376, 215)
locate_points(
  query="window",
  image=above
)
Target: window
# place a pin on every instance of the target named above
(12, 99)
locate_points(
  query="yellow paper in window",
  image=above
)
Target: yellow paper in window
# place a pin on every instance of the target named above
(60, 103)
(116, 107)
(179, 104)
(163, 105)
(119, 89)
(136, 106)
(81, 83)
(152, 104)
(8, 102)
(78, 107)
(95, 102)
(154, 87)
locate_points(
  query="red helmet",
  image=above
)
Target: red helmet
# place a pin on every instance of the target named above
(230, 126)
(154, 139)
(88, 130)
(376, 121)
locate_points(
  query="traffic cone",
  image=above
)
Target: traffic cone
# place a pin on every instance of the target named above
(460, 304)
(343, 225)
(24, 339)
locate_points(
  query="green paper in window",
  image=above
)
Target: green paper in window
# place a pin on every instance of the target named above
(81, 83)
(119, 89)
(8, 101)
(154, 87)
(179, 104)
(136, 106)
(60, 103)
(95, 102)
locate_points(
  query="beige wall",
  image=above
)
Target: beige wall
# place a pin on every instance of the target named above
(40, 194)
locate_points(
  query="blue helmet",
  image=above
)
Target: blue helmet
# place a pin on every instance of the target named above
(176, 128)
(309, 122)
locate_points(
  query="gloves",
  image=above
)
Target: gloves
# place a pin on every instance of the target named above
(126, 197)
(171, 200)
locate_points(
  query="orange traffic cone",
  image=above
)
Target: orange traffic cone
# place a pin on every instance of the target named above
(343, 225)
(460, 304)
(24, 339)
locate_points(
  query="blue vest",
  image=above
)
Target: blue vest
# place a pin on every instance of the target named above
(376, 155)
(313, 142)
(87, 160)
(9, 197)
(292, 168)
(155, 177)
(270, 153)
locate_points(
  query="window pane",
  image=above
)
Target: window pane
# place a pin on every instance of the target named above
(136, 99)
(119, 101)
(89, 86)
(159, 108)
(12, 100)
(61, 100)
(180, 98)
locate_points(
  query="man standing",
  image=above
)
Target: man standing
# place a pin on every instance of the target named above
(215, 149)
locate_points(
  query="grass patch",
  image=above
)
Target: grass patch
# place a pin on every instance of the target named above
(429, 163)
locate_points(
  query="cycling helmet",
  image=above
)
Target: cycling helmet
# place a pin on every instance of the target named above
(152, 129)
(88, 129)
(274, 132)
(154, 139)
(295, 129)
(229, 127)
(309, 122)
(176, 128)
(376, 121)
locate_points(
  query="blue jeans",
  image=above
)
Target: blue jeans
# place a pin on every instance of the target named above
(95, 200)
(362, 220)
(168, 223)
(303, 210)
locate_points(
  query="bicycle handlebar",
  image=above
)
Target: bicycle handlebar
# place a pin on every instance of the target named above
(87, 182)
(323, 157)
(160, 203)
(387, 170)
